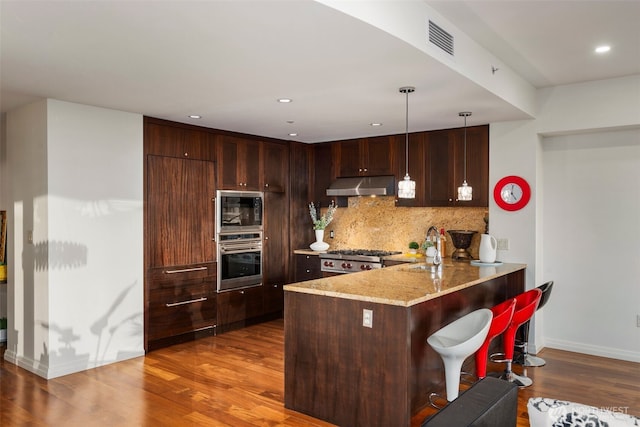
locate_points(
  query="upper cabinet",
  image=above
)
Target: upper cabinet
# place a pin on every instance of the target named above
(323, 172)
(238, 163)
(250, 164)
(275, 167)
(366, 156)
(445, 168)
(169, 139)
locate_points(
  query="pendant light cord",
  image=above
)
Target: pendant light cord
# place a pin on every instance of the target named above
(465, 114)
(406, 134)
(465, 148)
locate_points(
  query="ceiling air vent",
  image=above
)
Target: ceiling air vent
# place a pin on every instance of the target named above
(440, 38)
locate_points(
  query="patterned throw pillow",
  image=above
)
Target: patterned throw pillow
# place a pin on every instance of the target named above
(545, 412)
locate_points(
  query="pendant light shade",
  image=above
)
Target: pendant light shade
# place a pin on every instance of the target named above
(465, 191)
(407, 187)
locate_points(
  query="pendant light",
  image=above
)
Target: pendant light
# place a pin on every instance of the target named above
(407, 187)
(465, 191)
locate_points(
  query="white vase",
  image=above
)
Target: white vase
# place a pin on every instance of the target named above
(319, 245)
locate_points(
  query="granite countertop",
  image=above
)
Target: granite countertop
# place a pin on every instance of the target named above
(308, 252)
(405, 284)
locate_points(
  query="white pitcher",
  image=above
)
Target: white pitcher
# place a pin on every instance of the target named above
(488, 246)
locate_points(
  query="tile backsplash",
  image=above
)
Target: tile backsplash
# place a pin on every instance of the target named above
(376, 223)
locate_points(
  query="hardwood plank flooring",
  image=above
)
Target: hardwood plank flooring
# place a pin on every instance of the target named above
(236, 379)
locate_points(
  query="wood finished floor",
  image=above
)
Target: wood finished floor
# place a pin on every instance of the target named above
(236, 379)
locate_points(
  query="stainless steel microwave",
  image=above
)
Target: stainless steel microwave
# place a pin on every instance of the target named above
(239, 211)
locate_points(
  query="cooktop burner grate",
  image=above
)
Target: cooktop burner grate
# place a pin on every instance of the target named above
(362, 252)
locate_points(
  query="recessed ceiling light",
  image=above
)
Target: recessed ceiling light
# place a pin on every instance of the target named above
(284, 100)
(293, 134)
(375, 124)
(194, 116)
(603, 49)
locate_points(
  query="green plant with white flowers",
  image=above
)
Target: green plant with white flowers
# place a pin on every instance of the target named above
(322, 222)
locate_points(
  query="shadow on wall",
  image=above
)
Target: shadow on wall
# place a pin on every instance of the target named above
(105, 328)
(98, 327)
(57, 255)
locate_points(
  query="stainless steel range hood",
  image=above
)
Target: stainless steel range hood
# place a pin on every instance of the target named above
(363, 186)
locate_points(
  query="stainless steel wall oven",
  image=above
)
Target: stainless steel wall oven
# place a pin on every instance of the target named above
(239, 260)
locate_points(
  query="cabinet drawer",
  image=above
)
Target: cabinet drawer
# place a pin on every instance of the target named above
(173, 311)
(240, 305)
(163, 277)
(307, 267)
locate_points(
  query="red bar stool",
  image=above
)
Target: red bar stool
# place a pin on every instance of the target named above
(526, 304)
(502, 314)
(524, 358)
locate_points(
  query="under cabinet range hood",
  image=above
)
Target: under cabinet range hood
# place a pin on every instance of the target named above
(363, 186)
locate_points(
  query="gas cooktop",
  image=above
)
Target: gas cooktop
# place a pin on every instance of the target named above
(353, 260)
(355, 253)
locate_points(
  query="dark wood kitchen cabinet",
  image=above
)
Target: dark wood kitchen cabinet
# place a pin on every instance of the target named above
(444, 151)
(237, 308)
(275, 250)
(180, 252)
(171, 139)
(366, 156)
(307, 267)
(181, 302)
(238, 163)
(274, 167)
(323, 172)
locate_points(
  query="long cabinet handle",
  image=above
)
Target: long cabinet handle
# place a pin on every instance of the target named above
(191, 301)
(185, 270)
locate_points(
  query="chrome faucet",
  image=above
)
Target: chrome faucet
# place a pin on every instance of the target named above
(437, 259)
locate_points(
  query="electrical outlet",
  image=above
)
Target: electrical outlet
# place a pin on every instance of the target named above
(367, 318)
(503, 244)
(30, 237)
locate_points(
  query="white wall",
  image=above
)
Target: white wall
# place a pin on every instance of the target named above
(592, 229)
(517, 148)
(26, 210)
(86, 264)
(4, 185)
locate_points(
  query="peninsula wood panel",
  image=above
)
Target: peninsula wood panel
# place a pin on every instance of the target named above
(336, 369)
(341, 372)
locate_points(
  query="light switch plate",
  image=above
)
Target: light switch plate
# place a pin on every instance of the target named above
(503, 244)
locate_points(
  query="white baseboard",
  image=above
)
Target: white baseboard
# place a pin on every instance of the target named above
(48, 372)
(594, 350)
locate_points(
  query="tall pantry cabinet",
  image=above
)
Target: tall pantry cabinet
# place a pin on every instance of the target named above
(179, 240)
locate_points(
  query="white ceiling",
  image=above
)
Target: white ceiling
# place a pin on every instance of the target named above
(229, 61)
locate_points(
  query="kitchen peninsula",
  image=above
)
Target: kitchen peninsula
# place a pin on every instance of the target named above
(340, 371)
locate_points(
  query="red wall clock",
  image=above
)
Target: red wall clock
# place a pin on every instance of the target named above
(512, 193)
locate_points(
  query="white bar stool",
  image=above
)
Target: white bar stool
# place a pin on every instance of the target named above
(457, 341)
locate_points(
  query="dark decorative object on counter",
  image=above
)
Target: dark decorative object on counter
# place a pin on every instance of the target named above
(461, 240)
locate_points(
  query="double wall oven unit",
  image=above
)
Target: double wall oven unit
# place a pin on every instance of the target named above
(239, 238)
(351, 260)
